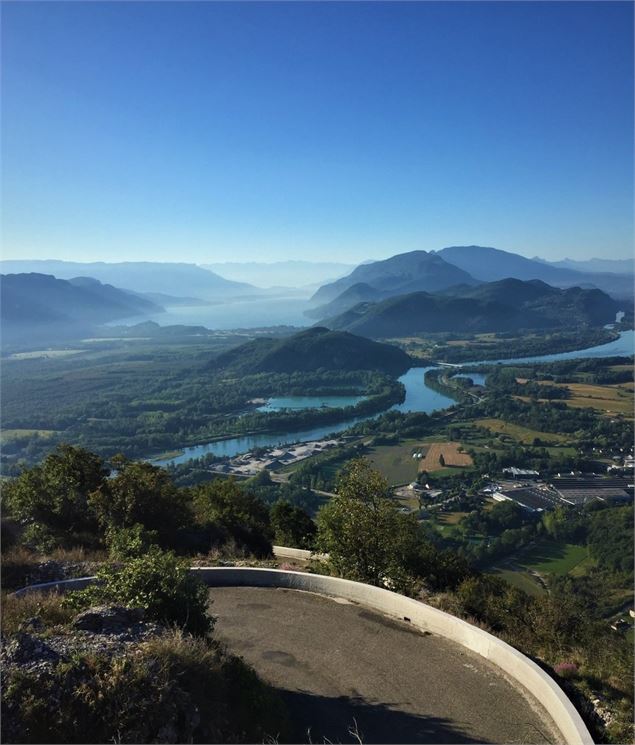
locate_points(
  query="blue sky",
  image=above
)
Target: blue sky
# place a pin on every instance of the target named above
(336, 131)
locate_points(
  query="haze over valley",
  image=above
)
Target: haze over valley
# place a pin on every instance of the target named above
(317, 337)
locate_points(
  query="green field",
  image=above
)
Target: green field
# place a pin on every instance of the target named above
(450, 518)
(395, 461)
(546, 557)
(521, 434)
(522, 580)
(551, 557)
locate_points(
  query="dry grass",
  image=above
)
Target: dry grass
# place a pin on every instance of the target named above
(616, 398)
(451, 457)
(21, 566)
(45, 606)
(517, 432)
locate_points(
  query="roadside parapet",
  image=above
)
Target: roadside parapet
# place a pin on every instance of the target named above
(516, 665)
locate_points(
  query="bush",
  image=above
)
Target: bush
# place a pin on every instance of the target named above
(174, 688)
(130, 543)
(232, 514)
(38, 537)
(159, 583)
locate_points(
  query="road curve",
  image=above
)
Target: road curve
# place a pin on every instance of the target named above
(338, 664)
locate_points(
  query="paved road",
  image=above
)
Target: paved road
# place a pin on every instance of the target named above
(338, 663)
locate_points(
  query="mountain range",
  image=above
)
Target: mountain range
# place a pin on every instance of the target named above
(491, 264)
(612, 266)
(168, 278)
(455, 265)
(40, 307)
(408, 272)
(312, 349)
(507, 305)
(41, 298)
(292, 273)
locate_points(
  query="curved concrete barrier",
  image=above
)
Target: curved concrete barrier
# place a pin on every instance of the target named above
(60, 585)
(515, 664)
(284, 552)
(424, 617)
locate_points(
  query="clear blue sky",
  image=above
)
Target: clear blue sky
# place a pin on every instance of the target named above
(230, 131)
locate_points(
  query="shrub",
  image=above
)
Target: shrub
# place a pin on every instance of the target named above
(230, 513)
(566, 669)
(39, 538)
(159, 583)
(174, 688)
(130, 543)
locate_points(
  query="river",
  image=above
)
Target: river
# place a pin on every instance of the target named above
(418, 398)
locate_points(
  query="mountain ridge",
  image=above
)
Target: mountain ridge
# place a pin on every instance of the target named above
(169, 278)
(507, 305)
(400, 273)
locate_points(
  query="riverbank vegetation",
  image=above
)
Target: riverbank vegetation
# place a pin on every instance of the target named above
(140, 530)
(464, 347)
(155, 400)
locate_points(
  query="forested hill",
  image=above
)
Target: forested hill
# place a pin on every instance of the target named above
(42, 299)
(509, 305)
(310, 350)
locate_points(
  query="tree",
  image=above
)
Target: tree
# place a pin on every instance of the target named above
(141, 494)
(231, 513)
(55, 494)
(366, 538)
(226, 502)
(292, 526)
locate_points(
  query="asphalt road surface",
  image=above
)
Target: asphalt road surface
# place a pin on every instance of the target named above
(341, 666)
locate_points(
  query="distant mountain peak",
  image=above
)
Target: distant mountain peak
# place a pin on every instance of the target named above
(406, 272)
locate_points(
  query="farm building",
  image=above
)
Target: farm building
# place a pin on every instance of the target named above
(582, 489)
(529, 497)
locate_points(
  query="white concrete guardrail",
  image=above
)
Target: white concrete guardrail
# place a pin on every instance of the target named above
(424, 617)
(285, 552)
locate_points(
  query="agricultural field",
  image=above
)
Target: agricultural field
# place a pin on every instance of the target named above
(439, 455)
(552, 557)
(522, 580)
(9, 435)
(526, 569)
(519, 433)
(616, 398)
(395, 461)
(47, 354)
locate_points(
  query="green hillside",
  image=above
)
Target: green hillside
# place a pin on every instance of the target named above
(313, 349)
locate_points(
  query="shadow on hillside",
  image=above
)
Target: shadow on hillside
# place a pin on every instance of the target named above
(320, 719)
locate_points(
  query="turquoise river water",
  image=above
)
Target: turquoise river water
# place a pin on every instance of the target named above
(418, 398)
